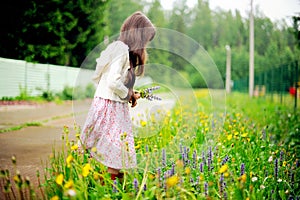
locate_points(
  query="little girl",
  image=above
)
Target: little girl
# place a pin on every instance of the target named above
(108, 125)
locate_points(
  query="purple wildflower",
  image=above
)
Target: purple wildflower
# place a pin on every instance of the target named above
(225, 195)
(136, 184)
(276, 168)
(145, 187)
(242, 169)
(221, 183)
(159, 173)
(147, 93)
(194, 159)
(206, 189)
(165, 180)
(191, 180)
(225, 160)
(201, 167)
(114, 187)
(281, 156)
(210, 153)
(183, 158)
(173, 169)
(209, 164)
(184, 150)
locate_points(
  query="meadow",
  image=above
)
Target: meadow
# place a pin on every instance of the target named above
(250, 150)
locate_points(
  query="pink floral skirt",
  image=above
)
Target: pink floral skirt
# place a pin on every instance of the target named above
(108, 128)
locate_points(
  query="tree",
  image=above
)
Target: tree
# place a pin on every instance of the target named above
(202, 25)
(118, 11)
(156, 55)
(53, 31)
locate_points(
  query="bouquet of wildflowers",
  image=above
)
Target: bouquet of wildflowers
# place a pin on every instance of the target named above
(148, 93)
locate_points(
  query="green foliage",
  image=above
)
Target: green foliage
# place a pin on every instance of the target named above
(71, 93)
(65, 33)
(24, 93)
(52, 31)
(240, 139)
(48, 95)
(117, 11)
(237, 157)
(67, 93)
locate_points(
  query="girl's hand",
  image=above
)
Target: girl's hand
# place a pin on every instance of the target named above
(133, 99)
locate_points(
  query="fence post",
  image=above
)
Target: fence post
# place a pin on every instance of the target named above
(281, 84)
(48, 78)
(296, 86)
(25, 76)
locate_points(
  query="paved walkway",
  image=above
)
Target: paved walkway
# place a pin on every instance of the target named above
(32, 145)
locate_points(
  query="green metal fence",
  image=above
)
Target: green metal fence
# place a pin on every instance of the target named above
(278, 84)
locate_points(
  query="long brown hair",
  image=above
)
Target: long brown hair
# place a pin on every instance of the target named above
(136, 31)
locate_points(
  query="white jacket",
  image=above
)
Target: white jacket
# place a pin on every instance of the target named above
(111, 72)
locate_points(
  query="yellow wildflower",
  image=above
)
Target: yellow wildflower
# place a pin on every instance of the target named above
(236, 133)
(284, 163)
(54, 198)
(151, 176)
(243, 178)
(86, 170)
(187, 170)
(74, 147)
(223, 168)
(69, 159)
(143, 123)
(125, 134)
(59, 179)
(173, 180)
(137, 146)
(69, 184)
(96, 176)
(244, 134)
(229, 137)
(226, 174)
(201, 177)
(16, 179)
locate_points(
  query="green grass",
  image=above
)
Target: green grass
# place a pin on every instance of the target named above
(18, 127)
(249, 152)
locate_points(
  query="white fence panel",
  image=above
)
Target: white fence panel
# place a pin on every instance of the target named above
(38, 77)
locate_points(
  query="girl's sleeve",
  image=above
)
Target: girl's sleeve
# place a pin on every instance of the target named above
(102, 62)
(115, 74)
